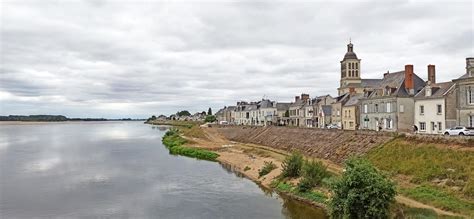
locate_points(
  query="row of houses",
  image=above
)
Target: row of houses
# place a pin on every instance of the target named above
(397, 101)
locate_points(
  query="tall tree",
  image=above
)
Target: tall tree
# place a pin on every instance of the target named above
(209, 111)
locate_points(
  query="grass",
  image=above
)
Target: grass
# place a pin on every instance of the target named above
(174, 142)
(439, 198)
(425, 162)
(311, 195)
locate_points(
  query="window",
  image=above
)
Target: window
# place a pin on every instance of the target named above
(422, 126)
(471, 121)
(439, 109)
(366, 124)
(422, 109)
(440, 126)
(388, 123)
(351, 124)
(357, 65)
(470, 95)
(389, 107)
(338, 113)
(433, 126)
(402, 108)
(365, 108)
(376, 108)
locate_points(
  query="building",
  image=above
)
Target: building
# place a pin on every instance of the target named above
(336, 117)
(390, 105)
(296, 110)
(283, 114)
(351, 113)
(351, 81)
(325, 112)
(320, 101)
(465, 96)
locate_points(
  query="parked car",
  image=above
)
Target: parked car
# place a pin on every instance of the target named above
(459, 130)
(333, 126)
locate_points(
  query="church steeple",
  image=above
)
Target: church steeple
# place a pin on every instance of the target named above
(350, 68)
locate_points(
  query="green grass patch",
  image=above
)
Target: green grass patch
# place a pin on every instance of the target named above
(425, 162)
(174, 142)
(438, 198)
(312, 195)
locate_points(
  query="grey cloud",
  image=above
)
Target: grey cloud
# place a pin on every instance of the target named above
(114, 59)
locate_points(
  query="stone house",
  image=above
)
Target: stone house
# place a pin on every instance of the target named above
(241, 115)
(282, 118)
(432, 114)
(465, 95)
(267, 111)
(336, 117)
(296, 110)
(390, 106)
(318, 102)
(324, 116)
(351, 113)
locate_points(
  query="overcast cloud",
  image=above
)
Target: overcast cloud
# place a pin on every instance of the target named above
(122, 59)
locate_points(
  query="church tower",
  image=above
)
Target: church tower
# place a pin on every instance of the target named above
(350, 71)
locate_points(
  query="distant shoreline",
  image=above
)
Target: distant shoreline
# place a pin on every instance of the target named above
(59, 122)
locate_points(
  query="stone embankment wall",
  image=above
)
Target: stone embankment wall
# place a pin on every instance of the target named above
(334, 145)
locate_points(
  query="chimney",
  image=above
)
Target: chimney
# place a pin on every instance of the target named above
(409, 85)
(470, 66)
(297, 98)
(386, 74)
(431, 74)
(428, 90)
(304, 97)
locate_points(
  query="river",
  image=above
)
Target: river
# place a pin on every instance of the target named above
(121, 170)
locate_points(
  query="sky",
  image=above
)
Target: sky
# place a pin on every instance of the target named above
(120, 59)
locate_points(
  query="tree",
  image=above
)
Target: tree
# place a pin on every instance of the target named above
(210, 118)
(361, 192)
(203, 113)
(313, 173)
(287, 113)
(291, 166)
(209, 111)
(183, 113)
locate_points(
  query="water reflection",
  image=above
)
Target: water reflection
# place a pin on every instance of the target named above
(119, 170)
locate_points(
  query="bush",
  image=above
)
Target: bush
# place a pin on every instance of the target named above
(291, 166)
(313, 173)
(361, 192)
(246, 168)
(266, 169)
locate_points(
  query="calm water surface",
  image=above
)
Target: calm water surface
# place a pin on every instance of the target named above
(121, 170)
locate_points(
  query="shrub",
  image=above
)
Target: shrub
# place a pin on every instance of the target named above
(266, 169)
(313, 173)
(361, 192)
(210, 118)
(291, 166)
(246, 168)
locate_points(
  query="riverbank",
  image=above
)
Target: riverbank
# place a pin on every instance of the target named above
(248, 159)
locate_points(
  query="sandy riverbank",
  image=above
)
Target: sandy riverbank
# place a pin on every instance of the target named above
(242, 155)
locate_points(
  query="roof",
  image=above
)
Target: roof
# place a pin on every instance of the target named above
(283, 106)
(354, 100)
(266, 103)
(370, 82)
(396, 81)
(438, 90)
(327, 109)
(342, 98)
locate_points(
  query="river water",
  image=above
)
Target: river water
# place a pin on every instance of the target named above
(121, 170)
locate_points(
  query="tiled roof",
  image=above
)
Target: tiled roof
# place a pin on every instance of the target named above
(354, 100)
(437, 90)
